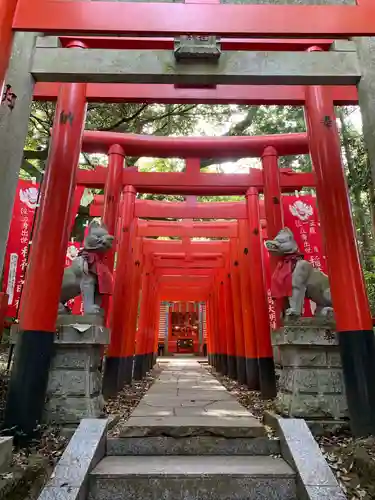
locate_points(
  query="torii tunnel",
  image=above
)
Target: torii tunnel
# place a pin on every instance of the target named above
(100, 52)
(225, 275)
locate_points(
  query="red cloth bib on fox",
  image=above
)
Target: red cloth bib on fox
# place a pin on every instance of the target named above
(97, 265)
(281, 282)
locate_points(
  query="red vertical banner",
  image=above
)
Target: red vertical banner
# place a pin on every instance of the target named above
(75, 305)
(15, 262)
(267, 280)
(302, 218)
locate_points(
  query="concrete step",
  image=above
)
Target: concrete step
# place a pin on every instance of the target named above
(192, 478)
(199, 445)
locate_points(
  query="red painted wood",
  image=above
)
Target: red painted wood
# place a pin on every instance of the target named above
(165, 43)
(340, 238)
(236, 299)
(257, 283)
(208, 184)
(282, 95)
(165, 19)
(123, 271)
(7, 11)
(202, 147)
(40, 303)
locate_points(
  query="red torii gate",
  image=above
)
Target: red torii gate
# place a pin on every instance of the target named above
(269, 21)
(148, 209)
(253, 353)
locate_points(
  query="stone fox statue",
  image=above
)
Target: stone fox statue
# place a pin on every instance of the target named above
(88, 274)
(296, 279)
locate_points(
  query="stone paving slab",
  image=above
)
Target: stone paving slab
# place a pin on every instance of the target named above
(199, 445)
(209, 412)
(186, 400)
(192, 465)
(192, 426)
(192, 478)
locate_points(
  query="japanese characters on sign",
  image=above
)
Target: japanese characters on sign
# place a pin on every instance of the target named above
(17, 250)
(16, 255)
(75, 305)
(301, 217)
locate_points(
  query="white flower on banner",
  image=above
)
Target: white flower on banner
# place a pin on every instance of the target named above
(29, 197)
(72, 252)
(301, 210)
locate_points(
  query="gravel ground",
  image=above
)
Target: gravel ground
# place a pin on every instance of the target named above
(351, 460)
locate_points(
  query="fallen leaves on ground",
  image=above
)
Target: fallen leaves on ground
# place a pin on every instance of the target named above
(251, 400)
(351, 460)
(123, 405)
(50, 445)
(30, 466)
(353, 463)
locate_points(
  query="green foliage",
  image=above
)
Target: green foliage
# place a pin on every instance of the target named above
(232, 120)
(370, 285)
(359, 183)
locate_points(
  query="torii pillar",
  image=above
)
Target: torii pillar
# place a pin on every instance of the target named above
(267, 379)
(41, 296)
(112, 196)
(352, 312)
(114, 361)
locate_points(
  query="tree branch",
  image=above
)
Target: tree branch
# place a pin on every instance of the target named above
(237, 129)
(29, 154)
(32, 170)
(126, 119)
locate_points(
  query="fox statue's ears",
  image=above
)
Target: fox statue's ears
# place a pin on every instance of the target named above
(95, 225)
(286, 230)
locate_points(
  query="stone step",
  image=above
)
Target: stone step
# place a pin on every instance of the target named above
(189, 426)
(6, 450)
(192, 478)
(198, 445)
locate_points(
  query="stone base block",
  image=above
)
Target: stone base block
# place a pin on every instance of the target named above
(311, 380)
(76, 357)
(6, 450)
(14, 330)
(69, 410)
(82, 333)
(311, 384)
(80, 319)
(317, 406)
(75, 382)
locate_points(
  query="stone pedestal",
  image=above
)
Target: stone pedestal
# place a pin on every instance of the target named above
(311, 382)
(75, 382)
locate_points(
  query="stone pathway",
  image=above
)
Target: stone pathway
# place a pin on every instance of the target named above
(187, 400)
(189, 439)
